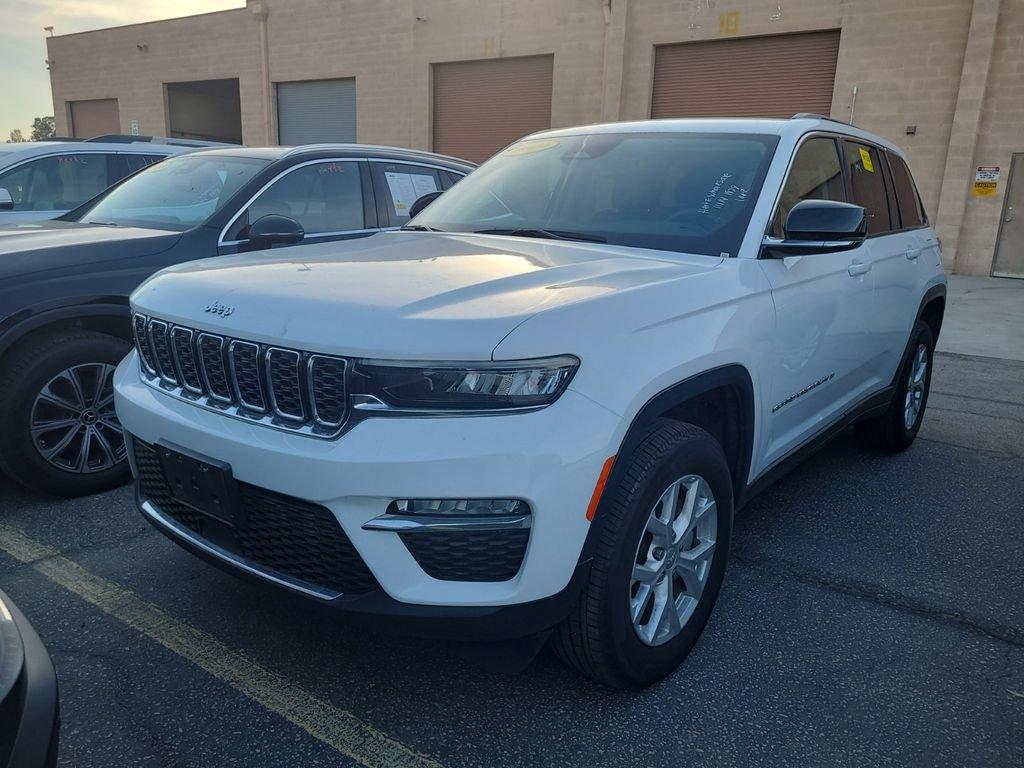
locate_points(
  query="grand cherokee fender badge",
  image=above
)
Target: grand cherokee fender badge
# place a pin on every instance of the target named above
(803, 391)
(216, 308)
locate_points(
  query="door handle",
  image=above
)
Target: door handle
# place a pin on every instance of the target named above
(913, 253)
(859, 268)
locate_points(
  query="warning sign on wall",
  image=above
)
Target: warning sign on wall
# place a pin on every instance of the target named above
(986, 181)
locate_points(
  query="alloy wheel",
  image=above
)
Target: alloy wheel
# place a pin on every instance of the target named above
(673, 560)
(73, 424)
(915, 387)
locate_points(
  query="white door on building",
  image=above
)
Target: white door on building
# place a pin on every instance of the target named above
(1009, 261)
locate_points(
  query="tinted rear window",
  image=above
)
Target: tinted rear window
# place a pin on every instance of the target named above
(909, 201)
(868, 185)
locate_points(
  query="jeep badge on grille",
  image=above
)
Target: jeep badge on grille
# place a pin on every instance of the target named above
(216, 308)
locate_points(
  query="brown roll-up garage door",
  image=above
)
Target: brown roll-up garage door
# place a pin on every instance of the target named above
(94, 117)
(775, 76)
(482, 106)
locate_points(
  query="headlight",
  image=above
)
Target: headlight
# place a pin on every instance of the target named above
(385, 386)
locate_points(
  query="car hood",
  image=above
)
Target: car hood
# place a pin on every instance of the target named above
(415, 295)
(39, 246)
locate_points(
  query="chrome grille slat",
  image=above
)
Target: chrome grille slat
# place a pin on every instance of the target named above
(162, 351)
(286, 389)
(141, 335)
(185, 358)
(327, 391)
(284, 381)
(211, 359)
(244, 362)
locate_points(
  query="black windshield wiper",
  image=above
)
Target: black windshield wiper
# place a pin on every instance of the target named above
(550, 234)
(420, 228)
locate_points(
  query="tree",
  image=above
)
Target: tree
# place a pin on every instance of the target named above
(43, 128)
(15, 136)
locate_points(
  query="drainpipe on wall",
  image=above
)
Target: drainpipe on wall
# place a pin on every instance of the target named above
(614, 58)
(260, 13)
(963, 136)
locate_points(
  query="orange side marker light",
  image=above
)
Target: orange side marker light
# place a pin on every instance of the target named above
(602, 479)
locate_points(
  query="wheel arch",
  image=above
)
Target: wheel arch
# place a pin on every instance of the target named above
(110, 316)
(720, 401)
(933, 308)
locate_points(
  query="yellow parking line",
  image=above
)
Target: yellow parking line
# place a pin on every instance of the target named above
(335, 727)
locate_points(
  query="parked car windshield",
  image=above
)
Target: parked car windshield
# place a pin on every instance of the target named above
(687, 192)
(176, 194)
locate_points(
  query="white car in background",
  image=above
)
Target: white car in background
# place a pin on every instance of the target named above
(538, 407)
(45, 179)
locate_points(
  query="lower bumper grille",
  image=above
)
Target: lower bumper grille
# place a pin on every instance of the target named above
(282, 534)
(495, 555)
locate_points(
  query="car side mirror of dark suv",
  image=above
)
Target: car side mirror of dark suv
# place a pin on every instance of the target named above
(6, 201)
(422, 202)
(819, 226)
(274, 229)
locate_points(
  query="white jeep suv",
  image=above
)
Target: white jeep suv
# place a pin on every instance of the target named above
(539, 406)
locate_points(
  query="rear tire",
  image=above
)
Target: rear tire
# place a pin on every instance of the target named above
(615, 635)
(896, 429)
(59, 389)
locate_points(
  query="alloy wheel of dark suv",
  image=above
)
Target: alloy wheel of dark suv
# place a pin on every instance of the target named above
(58, 429)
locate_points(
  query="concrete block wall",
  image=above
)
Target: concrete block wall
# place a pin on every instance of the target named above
(915, 62)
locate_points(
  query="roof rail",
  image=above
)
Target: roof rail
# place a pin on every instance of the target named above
(816, 116)
(125, 138)
(302, 148)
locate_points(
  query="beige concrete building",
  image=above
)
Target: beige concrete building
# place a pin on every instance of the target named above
(944, 79)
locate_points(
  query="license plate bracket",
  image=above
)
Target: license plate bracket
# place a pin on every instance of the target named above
(204, 484)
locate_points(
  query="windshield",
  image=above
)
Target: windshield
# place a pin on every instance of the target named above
(688, 192)
(177, 194)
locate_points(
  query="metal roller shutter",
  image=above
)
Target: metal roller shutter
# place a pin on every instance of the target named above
(482, 106)
(774, 76)
(94, 118)
(316, 111)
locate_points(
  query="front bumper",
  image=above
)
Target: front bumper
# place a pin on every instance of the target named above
(550, 459)
(29, 714)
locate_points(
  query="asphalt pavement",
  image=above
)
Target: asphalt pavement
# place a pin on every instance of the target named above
(873, 614)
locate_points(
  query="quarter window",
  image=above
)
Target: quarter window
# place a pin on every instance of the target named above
(138, 162)
(399, 186)
(816, 174)
(867, 185)
(908, 200)
(56, 183)
(324, 198)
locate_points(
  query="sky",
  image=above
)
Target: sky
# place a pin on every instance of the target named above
(24, 81)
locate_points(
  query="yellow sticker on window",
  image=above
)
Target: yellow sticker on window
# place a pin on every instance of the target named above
(865, 160)
(530, 146)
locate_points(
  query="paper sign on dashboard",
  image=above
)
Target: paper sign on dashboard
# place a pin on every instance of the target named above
(406, 188)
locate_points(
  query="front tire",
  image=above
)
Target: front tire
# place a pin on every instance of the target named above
(659, 562)
(896, 429)
(58, 430)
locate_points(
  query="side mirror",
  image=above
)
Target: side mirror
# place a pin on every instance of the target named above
(819, 226)
(422, 202)
(6, 201)
(273, 229)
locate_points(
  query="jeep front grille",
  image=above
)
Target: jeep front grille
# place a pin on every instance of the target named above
(285, 388)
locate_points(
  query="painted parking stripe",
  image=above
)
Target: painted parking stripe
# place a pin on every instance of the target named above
(335, 727)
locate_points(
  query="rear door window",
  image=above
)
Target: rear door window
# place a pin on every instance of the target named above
(59, 182)
(397, 186)
(816, 174)
(867, 185)
(909, 201)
